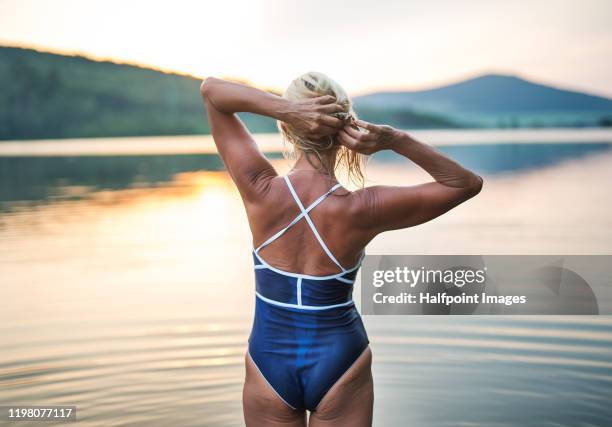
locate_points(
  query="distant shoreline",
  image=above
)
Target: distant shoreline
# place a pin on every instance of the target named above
(59, 96)
(271, 142)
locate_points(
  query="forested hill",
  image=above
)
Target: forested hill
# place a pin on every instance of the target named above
(53, 96)
(45, 95)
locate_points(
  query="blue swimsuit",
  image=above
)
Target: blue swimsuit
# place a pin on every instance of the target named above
(307, 332)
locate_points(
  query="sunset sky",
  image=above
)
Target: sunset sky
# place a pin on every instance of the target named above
(365, 45)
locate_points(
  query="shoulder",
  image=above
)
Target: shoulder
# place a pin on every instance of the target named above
(267, 199)
(348, 215)
(256, 187)
(360, 205)
(366, 212)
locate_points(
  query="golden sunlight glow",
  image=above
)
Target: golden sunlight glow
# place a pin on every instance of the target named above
(214, 202)
(364, 45)
(216, 197)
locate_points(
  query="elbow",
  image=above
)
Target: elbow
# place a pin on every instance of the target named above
(207, 86)
(475, 186)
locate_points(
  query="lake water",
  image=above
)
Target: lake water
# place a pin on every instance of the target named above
(127, 285)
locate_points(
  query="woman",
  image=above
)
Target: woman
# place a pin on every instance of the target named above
(308, 350)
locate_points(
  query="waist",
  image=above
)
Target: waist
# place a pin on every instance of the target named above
(270, 317)
(301, 293)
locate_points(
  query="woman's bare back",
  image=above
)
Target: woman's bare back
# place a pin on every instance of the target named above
(298, 249)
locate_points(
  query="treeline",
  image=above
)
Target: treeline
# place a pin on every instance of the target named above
(46, 95)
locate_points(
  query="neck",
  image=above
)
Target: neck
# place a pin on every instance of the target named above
(310, 162)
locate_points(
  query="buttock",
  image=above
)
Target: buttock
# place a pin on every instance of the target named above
(301, 363)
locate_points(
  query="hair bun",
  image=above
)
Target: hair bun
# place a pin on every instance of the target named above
(310, 86)
(314, 84)
(342, 116)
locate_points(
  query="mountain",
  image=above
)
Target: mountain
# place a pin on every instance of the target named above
(45, 95)
(496, 97)
(489, 93)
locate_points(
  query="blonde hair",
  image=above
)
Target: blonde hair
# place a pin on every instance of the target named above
(312, 85)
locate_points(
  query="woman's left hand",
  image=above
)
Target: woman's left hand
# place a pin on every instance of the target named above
(368, 141)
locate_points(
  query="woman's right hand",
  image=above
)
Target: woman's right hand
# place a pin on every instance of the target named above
(312, 117)
(374, 138)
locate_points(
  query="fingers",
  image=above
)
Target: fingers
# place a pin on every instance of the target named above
(352, 143)
(359, 135)
(331, 108)
(325, 99)
(330, 121)
(366, 125)
(347, 140)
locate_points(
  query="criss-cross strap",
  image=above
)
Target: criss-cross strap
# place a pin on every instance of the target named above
(311, 224)
(304, 214)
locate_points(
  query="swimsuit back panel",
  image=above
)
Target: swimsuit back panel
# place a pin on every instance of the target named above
(307, 332)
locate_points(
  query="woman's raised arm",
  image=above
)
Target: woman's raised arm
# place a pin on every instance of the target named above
(386, 208)
(245, 163)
